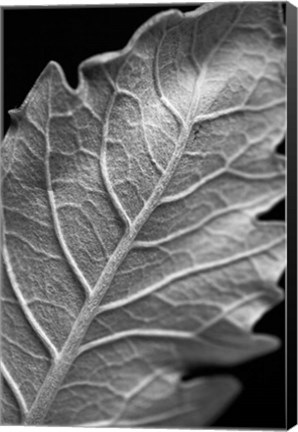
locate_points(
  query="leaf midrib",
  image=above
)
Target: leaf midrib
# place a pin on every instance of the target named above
(63, 361)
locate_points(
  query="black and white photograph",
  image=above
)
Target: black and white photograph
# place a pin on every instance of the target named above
(143, 215)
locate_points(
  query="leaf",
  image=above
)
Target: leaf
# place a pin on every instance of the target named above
(132, 252)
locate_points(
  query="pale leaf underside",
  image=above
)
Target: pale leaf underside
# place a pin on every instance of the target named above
(131, 250)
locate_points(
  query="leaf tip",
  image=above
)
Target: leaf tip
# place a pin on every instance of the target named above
(267, 343)
(222, 390)
(55, 71)
(16, 115)
(53, 67)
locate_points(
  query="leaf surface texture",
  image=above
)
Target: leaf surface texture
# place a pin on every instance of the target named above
(132, 252)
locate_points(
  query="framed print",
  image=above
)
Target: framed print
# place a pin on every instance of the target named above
(144, 174)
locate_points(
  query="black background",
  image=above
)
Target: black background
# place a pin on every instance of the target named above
(33, 37)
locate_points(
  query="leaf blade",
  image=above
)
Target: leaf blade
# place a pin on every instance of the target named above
(91, 217)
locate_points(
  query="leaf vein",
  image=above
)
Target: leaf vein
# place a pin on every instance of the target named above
(185, 273)
(24, 307)
(57, 228)
(15, 390)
